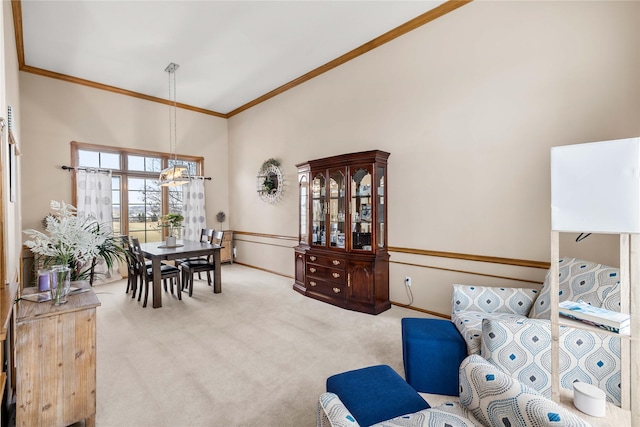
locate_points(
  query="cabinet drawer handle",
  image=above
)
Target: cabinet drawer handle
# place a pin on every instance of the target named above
(311, 269)
(299, 256)
(336, 262)
(312, 283)
(336, 275)
(312, 258)
(336, 290)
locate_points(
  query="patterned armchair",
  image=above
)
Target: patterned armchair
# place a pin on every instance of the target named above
(488, 396)
(510, 328)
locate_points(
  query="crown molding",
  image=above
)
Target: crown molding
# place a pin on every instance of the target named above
(411, 25)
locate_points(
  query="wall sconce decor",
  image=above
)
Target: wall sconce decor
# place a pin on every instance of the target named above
(269, 182)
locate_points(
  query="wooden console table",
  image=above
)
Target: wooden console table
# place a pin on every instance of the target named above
(56, 361)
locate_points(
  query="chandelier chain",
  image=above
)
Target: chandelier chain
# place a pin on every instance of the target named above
(173, 132)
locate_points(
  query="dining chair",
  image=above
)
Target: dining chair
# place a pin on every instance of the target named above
(167, 272)
(190, 267)
(206, 234)
(132, 269)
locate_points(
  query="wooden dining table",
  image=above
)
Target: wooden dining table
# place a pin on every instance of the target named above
(159, 251)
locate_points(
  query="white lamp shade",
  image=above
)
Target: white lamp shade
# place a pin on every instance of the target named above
(595, 187)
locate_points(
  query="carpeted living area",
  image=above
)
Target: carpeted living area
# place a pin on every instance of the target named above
(258, 354)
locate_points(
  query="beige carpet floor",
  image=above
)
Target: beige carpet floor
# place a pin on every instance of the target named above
(258, 354)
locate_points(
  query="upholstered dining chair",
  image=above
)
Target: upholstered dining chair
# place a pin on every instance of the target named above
(168, 272)
(190, 267)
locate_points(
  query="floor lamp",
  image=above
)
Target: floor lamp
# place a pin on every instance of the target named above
(595, 188)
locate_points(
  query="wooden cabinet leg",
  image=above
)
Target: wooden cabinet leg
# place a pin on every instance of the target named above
(90, 421)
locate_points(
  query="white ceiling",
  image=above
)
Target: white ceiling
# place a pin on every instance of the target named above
(229, 52)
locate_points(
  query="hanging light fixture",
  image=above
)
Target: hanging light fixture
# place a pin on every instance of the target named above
(177, 173)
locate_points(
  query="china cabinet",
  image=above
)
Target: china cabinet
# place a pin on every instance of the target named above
(341, 257)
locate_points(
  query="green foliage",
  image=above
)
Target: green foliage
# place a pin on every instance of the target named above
(269, 162)
(172, 220)
(74, 242)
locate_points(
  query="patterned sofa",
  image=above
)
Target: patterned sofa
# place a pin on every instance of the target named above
(488, 397)
(510, 328)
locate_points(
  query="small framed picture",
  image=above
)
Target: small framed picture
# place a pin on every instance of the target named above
(366, 212)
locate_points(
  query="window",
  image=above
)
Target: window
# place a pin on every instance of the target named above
(138, 200)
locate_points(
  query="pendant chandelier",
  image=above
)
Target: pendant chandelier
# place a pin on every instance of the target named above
(177, 173)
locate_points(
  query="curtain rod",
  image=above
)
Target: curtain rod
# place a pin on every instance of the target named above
(70, 168)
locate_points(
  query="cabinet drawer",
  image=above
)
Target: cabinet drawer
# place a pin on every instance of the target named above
(333, 275)
(333, 289)
(327, 261)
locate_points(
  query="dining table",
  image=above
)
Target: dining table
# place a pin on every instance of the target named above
(159, 251)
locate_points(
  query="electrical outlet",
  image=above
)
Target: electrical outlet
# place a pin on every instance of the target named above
(407, 281)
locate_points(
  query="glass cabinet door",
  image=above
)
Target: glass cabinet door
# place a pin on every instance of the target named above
(304, 210)
(381, 208)
(361, 208)
(337, 237)
(318, 206)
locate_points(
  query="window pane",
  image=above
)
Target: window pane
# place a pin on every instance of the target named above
(193, 167)
(98, 159)
(175, 200)
(145, 208)
(153, 164)
(135, 163)
(116, 202)
(110, 160)
(89, 158)
(145, 164)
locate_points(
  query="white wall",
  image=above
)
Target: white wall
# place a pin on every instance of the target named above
(468, 106)
(9, 95)
(54, 113)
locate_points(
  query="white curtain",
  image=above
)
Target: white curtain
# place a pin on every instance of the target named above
(94, 201)
(195, 218)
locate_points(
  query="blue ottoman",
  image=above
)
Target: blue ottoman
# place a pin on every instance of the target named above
(375, 394)
(432, 350)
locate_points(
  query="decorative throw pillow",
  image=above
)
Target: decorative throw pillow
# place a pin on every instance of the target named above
(593, 283)
(496, 399)
(469, 324)
(522, 349)
(492, 299)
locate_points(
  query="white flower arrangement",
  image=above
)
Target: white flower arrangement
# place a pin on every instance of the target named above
(71, 241)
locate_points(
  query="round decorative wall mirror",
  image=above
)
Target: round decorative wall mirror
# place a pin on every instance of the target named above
(269, 181)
